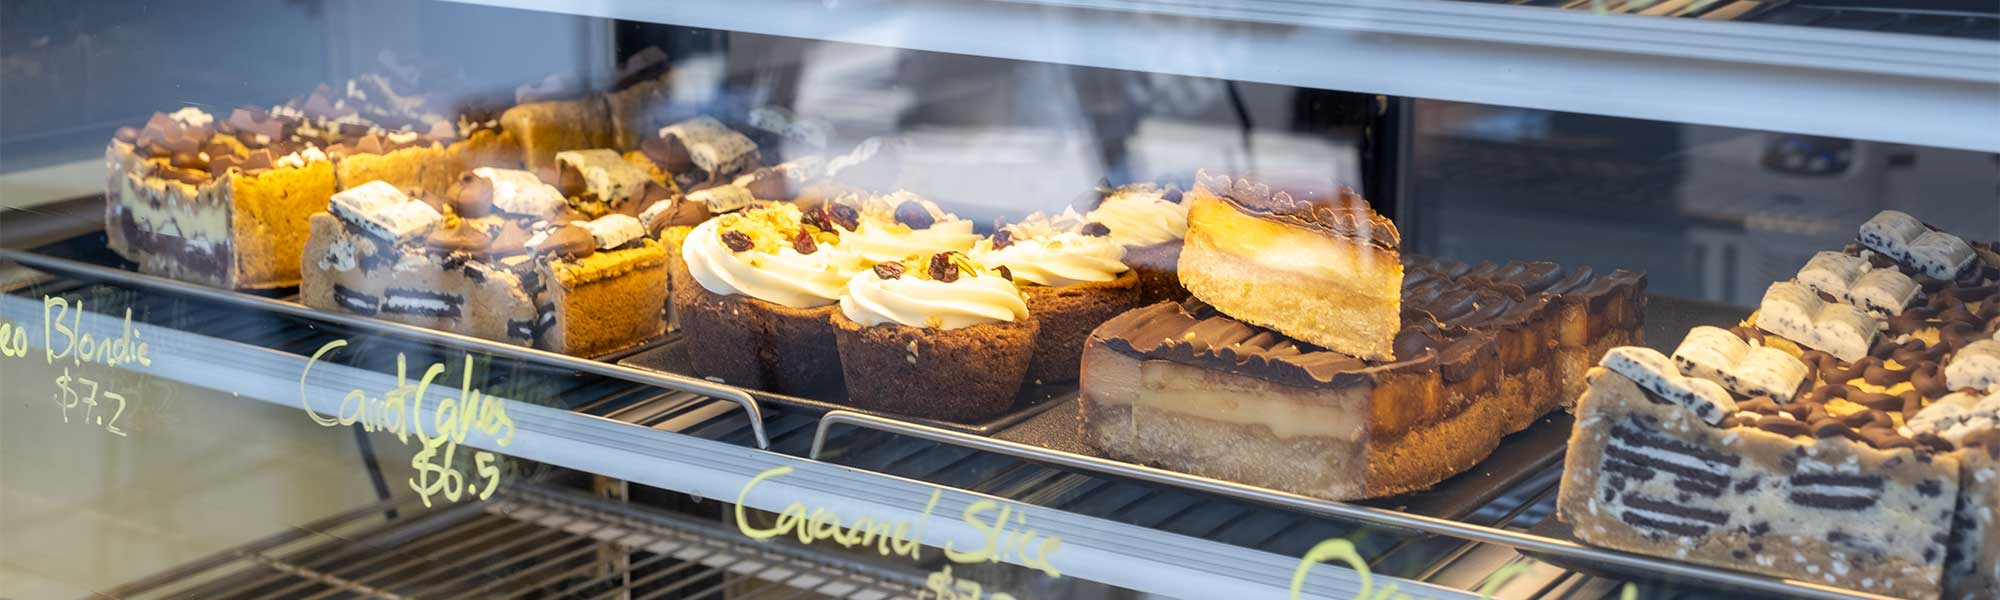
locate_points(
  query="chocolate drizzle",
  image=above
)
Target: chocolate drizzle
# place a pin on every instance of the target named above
(1331, 209)
(1196, 334)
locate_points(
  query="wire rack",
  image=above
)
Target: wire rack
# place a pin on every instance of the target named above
(527, 542)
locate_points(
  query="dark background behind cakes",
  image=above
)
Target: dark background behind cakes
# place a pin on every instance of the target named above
(1709, 213)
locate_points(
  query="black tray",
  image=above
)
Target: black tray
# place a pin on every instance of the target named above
(1520, 456)
(671, 357)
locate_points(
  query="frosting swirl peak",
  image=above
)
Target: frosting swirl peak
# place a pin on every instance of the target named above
(770, 272)
(975, 297)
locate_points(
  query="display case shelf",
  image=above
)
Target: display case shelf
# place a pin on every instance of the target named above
(1809, 80)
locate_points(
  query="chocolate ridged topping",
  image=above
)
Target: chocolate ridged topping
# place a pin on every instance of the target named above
(1469, 306)
(1196, 334)
(1335, 210)
(1518, 279)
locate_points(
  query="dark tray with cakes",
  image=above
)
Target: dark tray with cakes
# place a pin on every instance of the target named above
(671, 357)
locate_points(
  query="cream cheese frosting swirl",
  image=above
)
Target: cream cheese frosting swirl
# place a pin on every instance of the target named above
(880, 238)
(974, 299)
(1059, 259)
(1141, 216)
(784, 277)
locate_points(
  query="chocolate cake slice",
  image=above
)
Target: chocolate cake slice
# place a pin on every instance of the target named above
(1184, 387)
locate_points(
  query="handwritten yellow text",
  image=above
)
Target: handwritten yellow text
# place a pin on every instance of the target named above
(1343, 551)
(67, 340)
(1006, 534)
(397, 411)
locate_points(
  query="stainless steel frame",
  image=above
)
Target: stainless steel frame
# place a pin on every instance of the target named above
(1400, 521)
(521, 353)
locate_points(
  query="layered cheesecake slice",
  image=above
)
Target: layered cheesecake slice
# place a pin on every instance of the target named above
(1184, 387)
(187, 201)
(1315, 264)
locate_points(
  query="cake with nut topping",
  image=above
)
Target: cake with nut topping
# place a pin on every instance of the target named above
(934, 336)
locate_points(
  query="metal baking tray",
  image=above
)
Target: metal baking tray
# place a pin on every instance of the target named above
(671, 357)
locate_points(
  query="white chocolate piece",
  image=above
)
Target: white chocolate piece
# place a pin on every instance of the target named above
(1938, 254)
(1708, 352)
(1656, 373)
(522, 193)
(1883, 292)
(1890, 233)
(714, 148)
(605, 173)
(1796, 313)
(1976, 366)
(355, 204)
(384, 211)
(404, 222)
(1770, 372)
(613, 230)
(1956, 416)
(723, 198)
(1830, 272)
(1715, 354)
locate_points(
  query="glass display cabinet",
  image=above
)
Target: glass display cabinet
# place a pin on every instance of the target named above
(985, 299)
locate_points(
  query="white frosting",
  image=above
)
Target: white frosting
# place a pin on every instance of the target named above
(1796, 313)
(384, 211)
(1715, 354)
(1975, 366)
(879, 238)
(605, 173)
(1063, 259)
(522, 193)
(973, 299)
(192, 117)
(1655, 372)
(1141, 217)
(613, 230)
(785, 277)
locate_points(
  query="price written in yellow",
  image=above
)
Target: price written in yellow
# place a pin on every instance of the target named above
(398, 411)
(66, 342)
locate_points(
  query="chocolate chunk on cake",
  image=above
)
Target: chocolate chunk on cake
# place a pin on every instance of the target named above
(1313, 262)
(1184, 387)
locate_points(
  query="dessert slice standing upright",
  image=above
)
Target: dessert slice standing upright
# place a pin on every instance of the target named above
(934, 336)
(1313, 263)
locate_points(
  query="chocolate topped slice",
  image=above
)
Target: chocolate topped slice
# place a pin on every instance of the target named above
(1325, 207)
(1196, 334)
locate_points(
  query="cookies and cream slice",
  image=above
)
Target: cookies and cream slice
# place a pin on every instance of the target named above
(769, 254)
(938, 291)
(1045, 250)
